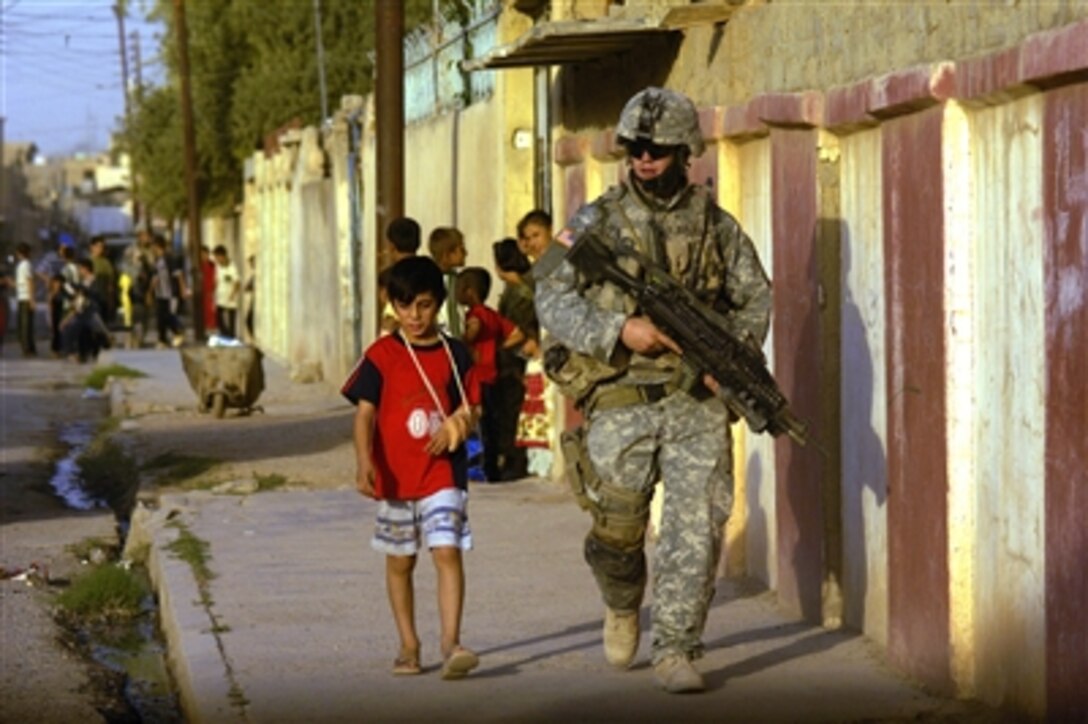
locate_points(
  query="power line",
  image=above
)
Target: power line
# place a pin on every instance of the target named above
(39, 130)
(16, 19)
(74, 74)
(66, 83)
(58, 94)
(45, 58)
(51, 32)
(38, 46)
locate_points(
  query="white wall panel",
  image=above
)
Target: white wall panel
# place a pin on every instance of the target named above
(1010, 634)
(864, 411)
(754, 214)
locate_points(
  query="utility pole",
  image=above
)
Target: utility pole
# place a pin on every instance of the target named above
(119, 11)
(389, 99)
(4, 221)
(137, 63)
(138, 210)
(320, 63)
(197, 307)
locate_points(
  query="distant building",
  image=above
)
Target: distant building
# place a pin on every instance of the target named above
(82, 195)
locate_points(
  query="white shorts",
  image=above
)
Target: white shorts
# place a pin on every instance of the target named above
(437, 521)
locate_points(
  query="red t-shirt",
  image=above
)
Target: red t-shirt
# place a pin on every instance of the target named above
(494, 329)
(407, 417)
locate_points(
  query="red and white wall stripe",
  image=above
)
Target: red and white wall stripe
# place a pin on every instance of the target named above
(963, 220)
(927, 234)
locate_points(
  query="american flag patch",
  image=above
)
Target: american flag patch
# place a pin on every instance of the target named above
(565, 237)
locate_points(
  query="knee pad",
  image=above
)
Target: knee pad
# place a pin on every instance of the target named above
(618, 564)
(620, 516)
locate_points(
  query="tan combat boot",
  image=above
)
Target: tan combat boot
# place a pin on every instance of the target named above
(620, 637)
(676, 675)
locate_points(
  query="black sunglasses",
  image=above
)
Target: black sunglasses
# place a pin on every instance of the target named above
(636, 149)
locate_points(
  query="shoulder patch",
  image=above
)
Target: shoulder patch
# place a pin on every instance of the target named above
(552, 257)
(565, 237)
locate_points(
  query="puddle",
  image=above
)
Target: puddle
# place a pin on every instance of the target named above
(132, 649)
(67, 481)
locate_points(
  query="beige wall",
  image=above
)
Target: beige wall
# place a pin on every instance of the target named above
(753, 179)
(805, 44)
(864, 413)
(461, 168)
(1008, 292)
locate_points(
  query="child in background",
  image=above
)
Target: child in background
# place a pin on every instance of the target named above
(447, 247)
(58, 300)
(228, 287)
(404, 237)
(24, 295)
(534, 233)
(208, 286)
(486, 331)
(516, 304)
(417, 402)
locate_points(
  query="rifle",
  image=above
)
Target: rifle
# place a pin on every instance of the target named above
(738, 367)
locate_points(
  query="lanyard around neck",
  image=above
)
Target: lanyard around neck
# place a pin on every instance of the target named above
(426, 380)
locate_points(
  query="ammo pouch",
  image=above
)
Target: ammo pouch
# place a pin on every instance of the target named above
(576, 374)
(619, 515)
(581, 475)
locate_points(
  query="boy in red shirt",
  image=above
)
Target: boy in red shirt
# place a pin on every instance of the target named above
(486, 332)
(417, 403)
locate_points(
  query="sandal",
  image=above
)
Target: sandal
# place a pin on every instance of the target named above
(407, 664)
(458, 663)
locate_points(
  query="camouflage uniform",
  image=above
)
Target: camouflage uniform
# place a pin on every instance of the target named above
(673, 429)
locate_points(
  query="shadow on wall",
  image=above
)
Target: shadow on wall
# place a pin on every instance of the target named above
(864, 466)
(757, 536)
(594, 93)
(810, 559)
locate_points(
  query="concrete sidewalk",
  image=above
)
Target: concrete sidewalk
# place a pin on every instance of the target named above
(295, 626)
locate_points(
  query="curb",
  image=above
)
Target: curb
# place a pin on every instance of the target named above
(200, 673)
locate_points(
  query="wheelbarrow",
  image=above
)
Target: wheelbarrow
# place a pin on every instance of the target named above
(224, 377)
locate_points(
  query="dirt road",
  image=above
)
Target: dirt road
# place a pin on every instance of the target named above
(40, 678)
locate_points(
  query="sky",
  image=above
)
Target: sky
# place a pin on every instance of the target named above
(60, 71)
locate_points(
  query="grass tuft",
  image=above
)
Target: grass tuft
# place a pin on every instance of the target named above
(194, 551)
(107, 591)
(173, 468)
(271, 481)
(98, 376)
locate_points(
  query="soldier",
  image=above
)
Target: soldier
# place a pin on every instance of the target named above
(646, 419)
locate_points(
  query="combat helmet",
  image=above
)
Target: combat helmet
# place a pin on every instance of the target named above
(661, 116)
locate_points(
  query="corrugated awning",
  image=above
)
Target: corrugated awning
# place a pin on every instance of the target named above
(568, 41)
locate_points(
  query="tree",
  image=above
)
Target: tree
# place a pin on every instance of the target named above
(154, 138)
(253, 69)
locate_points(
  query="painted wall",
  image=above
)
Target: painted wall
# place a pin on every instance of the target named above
(797, 499)
(864, 412)
(430, 198)
(1065, 195)
(451, 175)
(961, 227)
(1010, 384)
(314, 342)
(483, 142)
(298, 218)
(753, 210)
(917, 459)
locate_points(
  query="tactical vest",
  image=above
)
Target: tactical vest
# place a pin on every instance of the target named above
(673, 236)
